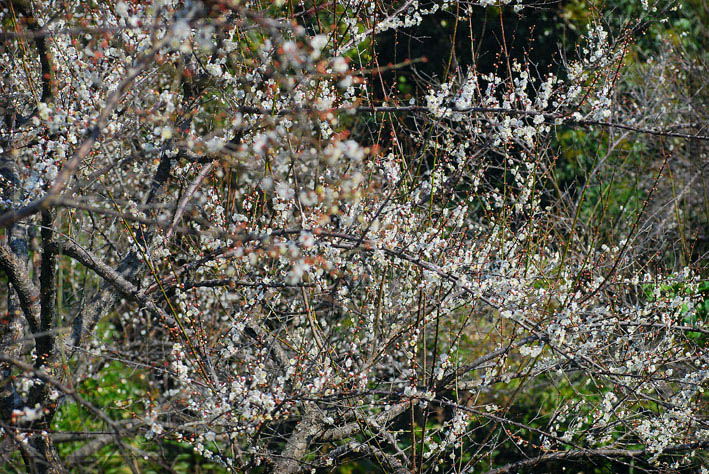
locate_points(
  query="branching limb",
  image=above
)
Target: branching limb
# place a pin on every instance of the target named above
(27, 293)
(594, 453)
(49, 380)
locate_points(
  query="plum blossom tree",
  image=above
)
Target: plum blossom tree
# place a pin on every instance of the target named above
(227, 233)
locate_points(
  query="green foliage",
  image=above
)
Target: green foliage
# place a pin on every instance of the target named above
(119, 392)
(694, 315)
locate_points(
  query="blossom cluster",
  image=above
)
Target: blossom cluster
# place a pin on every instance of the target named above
(295, 276)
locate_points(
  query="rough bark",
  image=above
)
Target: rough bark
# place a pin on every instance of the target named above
(291, 458)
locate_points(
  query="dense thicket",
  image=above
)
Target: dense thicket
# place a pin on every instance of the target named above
(353, 236)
